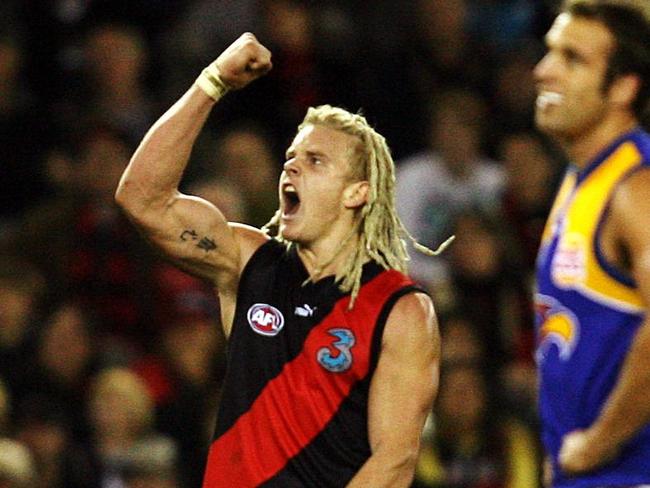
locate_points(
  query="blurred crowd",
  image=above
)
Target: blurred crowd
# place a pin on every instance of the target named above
(111, 359)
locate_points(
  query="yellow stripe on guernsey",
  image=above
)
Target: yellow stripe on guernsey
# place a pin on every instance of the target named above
(563, 194)
(575, 264)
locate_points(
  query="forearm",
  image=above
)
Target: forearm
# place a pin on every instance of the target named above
(628, 408)
(157, 166)
(386, 471)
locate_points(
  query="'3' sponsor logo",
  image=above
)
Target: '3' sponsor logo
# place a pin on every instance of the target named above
(339, 359)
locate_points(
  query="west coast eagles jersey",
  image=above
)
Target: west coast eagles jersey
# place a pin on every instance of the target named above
(587, 313)
(294, 407)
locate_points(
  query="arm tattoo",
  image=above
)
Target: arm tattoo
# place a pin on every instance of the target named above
(204, 243)
(189, 234)
(207, 244)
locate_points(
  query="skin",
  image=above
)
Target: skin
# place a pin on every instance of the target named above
(586, 119)
(196, 236)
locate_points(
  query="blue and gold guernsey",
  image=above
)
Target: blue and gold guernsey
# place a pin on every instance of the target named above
(587, 313)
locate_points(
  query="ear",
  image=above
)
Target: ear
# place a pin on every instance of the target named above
(624, 90)
(355, 194)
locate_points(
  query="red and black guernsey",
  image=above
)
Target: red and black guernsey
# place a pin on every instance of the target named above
(294, 405)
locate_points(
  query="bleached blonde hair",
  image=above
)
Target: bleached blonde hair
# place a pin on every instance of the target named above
(381, 234)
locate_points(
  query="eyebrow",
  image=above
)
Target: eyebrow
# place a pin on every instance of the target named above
(318, 154)
(310, 152)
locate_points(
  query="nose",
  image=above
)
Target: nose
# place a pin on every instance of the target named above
(291, 167)
(544, 68)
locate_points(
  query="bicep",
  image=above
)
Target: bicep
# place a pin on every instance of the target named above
(195, 235)
(631, 212)
(406, 379)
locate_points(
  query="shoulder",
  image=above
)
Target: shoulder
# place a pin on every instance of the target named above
(633, 190)
(412, 317)
(250, 239)
(630, 209)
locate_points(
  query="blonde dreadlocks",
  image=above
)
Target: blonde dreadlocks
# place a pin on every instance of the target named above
(380, 231)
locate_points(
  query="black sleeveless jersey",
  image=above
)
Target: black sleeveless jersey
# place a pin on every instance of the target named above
(294, 407)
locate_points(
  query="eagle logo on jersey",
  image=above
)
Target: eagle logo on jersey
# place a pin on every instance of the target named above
(265, 319)
(342, 360)
(557, 325)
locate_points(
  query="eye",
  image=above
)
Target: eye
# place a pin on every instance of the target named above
(314, 159)
(572, 57)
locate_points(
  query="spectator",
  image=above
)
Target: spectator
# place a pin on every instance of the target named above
(58, 459)
(245, 156)
(151, 464)
(22, 288)
(450, 177)
(473, 446)
(85, 246)
(61, 362)
(122, 415)
(16, 465)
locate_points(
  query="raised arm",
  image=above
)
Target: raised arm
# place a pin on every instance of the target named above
(189, 230)
(401, 393)
(627, 409)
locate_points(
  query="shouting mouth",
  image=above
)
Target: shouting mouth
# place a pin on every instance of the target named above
(290, 200)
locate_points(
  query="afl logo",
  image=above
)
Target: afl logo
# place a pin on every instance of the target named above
(265, 319)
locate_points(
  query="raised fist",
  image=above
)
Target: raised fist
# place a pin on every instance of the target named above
(243, 61)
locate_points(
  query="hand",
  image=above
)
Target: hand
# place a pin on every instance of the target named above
(243, 61)
(581, 452)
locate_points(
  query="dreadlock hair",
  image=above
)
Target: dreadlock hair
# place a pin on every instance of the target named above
(379, 229)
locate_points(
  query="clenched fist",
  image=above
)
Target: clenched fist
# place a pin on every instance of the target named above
(243, 61)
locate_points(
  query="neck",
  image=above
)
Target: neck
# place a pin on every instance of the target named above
(584, 149)
(326, 259)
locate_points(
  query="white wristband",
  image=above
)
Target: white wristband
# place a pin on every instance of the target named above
(211, 83)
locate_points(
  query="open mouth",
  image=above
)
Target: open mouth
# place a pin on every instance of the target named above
(291, 200)
(547, 99)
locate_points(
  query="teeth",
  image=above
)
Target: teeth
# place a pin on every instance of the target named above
(290, 189)
(547, 98)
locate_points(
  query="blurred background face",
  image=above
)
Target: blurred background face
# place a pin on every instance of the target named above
(288, 24)
(460, 341)
(461, 399)
(103, 160)
(115, 56)
(15, 309)
(66, 344)
(456, 129)
(247, 159)
(529, 169)
(111, 415)
(191, 347)
(477, 251)
(442, 17)
(120, 405)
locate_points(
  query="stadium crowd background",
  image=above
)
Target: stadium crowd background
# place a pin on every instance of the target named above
(111, 359)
